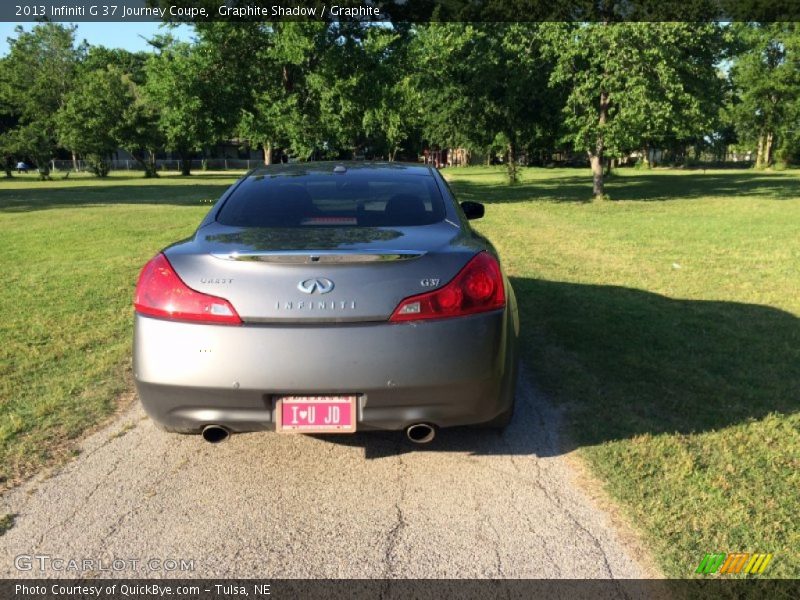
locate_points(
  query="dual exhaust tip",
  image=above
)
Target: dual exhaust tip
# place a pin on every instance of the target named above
(214, 434)
(419, 433)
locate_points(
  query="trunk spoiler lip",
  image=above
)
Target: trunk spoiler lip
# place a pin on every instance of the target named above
(304, 257)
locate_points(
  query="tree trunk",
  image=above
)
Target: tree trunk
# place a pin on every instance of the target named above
(760, 152)
(267, 153)
(768, 150)
(511, 164)
(150, 168)
(596, 158)
(597, 175)
(74, 161)
(43, 167)
(186, 165)
(287, 82)
(646, 157)
(147, 162)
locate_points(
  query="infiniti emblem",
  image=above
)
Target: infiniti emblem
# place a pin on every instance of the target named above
(317, 284)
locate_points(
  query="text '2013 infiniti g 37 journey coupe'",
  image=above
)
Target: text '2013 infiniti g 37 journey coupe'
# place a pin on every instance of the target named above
(328, 298)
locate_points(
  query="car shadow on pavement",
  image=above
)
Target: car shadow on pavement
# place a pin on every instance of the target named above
(614, 363)
(532, 432)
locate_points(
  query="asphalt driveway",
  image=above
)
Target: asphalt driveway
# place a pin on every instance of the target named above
(472, 504)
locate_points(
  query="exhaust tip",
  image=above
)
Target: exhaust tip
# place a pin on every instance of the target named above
(421, 433)
(214, 434)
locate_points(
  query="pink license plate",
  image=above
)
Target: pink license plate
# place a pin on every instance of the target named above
(315, 414)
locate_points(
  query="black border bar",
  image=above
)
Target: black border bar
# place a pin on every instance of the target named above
(418, 11)
(399, 589)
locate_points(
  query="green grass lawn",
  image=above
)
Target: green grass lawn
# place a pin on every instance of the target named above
(664, 322)
(71, 253)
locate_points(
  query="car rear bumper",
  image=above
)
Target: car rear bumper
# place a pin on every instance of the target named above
(448, 372)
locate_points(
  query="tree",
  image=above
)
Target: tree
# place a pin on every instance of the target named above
(8, 122)
(279, 109)
(484, 82)
(317, 88)
(197, 103)
(268, 103)
(359, 89)
(35, 80)
(394, 111)
(130, 63)
(766, 80)
(137, 129)
(93, 110)
(107, 109)
(632, 83)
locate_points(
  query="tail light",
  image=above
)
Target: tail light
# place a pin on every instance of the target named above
(478, 287)
(161, 293)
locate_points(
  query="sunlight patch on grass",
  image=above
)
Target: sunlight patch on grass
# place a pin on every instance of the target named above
(70, 264)
(666, 323)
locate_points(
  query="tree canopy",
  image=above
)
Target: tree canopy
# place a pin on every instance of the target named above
(35, 79)
(519, 93)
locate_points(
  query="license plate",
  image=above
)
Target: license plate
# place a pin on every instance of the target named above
(315, 414)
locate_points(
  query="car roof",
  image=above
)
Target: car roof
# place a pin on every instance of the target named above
(327, 167)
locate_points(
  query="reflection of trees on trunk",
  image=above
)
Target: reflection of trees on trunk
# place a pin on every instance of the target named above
(316, 238)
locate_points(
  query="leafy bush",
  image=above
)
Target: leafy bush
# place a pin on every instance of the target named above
(98, 164)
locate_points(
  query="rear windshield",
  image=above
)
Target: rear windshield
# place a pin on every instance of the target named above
(354, 199)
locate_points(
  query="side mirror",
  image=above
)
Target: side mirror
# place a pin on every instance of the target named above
(473, 210)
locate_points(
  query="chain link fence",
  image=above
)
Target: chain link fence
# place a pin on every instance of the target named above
(165, 164)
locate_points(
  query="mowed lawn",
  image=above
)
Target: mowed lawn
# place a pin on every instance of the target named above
(70, 254)
(664, 323)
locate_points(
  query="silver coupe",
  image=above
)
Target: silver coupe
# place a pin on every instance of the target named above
(328, 298)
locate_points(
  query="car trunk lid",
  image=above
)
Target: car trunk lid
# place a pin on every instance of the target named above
(324, 274)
